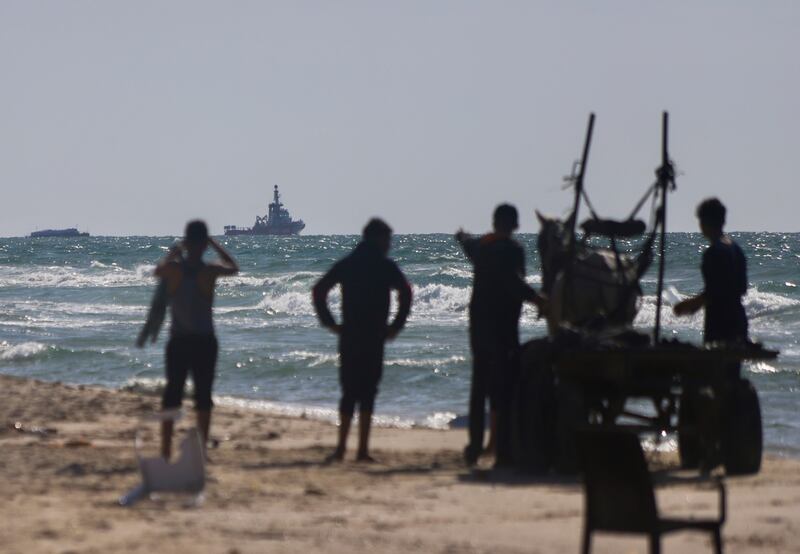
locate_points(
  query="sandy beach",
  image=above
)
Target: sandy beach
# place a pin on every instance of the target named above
(66, 456)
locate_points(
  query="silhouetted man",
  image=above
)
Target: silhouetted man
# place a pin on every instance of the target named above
(498, 291)
(192, 344)
(725, 277)
(367, 277)
(724, 270)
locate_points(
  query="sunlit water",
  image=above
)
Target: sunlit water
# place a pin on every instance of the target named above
(71, 308)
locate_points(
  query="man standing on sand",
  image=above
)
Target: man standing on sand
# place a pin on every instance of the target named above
(725, 276)
(367, 277)
(192, 344)
(724, 270)
(498, 290)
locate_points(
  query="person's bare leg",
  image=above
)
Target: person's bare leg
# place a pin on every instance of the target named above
(344, 430)
(204, 425)
(364, 425)
(491, 446)
(166, 439)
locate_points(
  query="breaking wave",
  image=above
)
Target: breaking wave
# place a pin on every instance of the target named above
(22, 351)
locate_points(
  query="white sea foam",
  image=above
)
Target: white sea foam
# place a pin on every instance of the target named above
(38, 307)
(762, 304)
(441, 300)
(433, 300)
(67, 276)
(21, 351)
(757, 304)
(314, 359)
(425, 362)
(437, 420)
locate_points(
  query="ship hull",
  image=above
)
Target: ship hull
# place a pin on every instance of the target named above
(68, 233)
(267, 230)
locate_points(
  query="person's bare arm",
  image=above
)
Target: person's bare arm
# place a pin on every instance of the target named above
(320, 299)
(405, 295)
(166, 266)
(227, 265)
(468, 243)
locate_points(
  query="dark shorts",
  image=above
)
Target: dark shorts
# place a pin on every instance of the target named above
(195, 354)
(360, 371)
(494, 362)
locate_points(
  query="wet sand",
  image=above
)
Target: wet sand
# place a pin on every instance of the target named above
(62, 472)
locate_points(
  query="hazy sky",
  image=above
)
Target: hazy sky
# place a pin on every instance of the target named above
(131, 117)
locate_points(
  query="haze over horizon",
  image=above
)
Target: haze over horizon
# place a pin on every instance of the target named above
(131, 118)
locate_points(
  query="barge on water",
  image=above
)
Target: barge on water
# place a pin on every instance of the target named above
(68, 233)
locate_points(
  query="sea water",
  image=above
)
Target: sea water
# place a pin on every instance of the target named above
(70, 310)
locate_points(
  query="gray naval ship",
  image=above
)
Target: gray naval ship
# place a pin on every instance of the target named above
(276, 222)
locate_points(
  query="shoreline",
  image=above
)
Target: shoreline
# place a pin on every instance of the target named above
(438, 421)
(269, 490)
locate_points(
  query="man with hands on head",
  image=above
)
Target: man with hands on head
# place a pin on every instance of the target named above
(367, 277)
(192, 345)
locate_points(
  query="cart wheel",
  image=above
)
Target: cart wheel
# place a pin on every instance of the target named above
(688, 441)
(743, 440)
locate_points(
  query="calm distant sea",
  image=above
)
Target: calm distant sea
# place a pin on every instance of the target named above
(71, 308)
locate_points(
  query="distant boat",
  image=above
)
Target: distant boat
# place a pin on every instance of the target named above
(71, 232)
(276, 222)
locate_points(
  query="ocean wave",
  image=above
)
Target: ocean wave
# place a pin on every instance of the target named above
(757, 304)
(425, 362)
(146, 385)
(441, 300)
(761, 367)
(434, 300)
(436, 420)
(314, 359)
(67, 276)
(760, 304)
(37, 307)
(22, 351)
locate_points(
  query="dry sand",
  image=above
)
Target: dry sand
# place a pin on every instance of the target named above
(62, 473)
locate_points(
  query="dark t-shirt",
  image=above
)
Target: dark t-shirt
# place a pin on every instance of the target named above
(499, 286)
(367, 278)
(725, 276)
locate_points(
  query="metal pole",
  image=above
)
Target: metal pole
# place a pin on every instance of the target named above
(664, 179)
(579, 181)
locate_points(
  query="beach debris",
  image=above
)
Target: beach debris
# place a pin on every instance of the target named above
(42, 432)
(72, 470)
(314, 490)
(76, 443)
(186, 475)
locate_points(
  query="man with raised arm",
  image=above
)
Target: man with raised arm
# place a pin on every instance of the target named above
(724, 270)
(498, 291)
(367, 277)
(192, 344)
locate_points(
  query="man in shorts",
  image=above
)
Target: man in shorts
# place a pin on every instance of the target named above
(192, 345)
(367, 277)
(724, 269)
(498, 291)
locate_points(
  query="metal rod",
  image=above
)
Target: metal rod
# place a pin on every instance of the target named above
(664, 177)
(579, 180)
